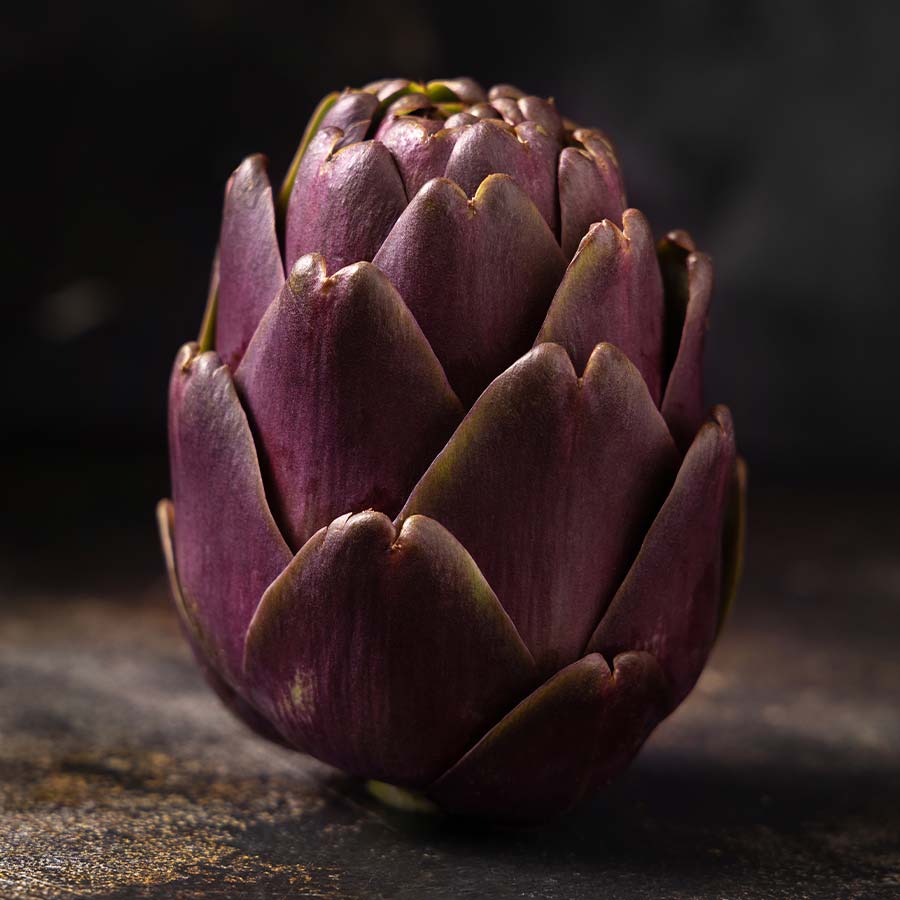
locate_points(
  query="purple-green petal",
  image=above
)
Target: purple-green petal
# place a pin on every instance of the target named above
(599, 147)
(483, 111)
(612, 291)
(585, 198)
(542, 112)
(477, 274)
(250, 272)
(550, 482)
(352, 114)
(420, 147)
(682, 404)
(526, 153)
(384, 652)
(575, 732)
(668, 603)
(386, 89)
(235, 703)
(344, 201)
(347, 400)
(466, 90)
(457, 120)
(228, 548)
(408, 104)
(509, 109)
(505, 90)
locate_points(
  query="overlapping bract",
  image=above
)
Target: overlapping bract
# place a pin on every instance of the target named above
(448, 510)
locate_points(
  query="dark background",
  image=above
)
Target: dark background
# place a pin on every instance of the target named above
(769, 130)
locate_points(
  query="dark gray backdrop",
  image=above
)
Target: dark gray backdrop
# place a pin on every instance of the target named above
(770, 130)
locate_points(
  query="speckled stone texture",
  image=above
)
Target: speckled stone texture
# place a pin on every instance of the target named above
(121, 776)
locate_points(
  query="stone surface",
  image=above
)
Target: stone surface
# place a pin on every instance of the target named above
(779, 777)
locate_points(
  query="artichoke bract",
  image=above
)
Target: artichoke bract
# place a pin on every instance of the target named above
(448, 510)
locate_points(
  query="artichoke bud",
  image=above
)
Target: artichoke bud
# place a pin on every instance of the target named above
(449, 511)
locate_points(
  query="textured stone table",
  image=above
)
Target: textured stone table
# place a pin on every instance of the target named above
(120, 775)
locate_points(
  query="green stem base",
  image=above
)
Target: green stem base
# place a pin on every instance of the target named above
(404, 799)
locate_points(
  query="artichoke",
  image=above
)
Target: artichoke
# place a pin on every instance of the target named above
(448, 511)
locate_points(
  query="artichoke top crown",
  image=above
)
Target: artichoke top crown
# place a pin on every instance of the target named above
(400, 167)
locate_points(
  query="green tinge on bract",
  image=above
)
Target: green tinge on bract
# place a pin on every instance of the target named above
(450, 108)
(414, 87)
(438, 92)
(207, 337)
(315, 121)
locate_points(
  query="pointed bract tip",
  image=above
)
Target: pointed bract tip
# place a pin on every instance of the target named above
(680, 238)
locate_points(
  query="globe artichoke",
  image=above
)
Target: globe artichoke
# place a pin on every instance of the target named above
(448, 510)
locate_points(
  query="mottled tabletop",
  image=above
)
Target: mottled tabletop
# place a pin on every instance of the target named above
(121, 776)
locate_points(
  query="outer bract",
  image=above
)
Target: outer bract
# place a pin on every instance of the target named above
(448, 509)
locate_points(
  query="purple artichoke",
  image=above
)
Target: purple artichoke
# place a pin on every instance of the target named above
(448, 510)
